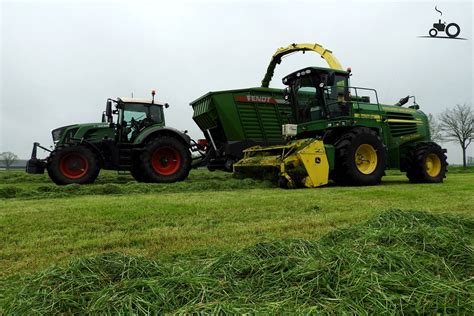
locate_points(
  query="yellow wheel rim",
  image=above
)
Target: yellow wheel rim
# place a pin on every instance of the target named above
(432, 165)
(366, 159)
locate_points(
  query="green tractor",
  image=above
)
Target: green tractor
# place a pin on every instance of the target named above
(318, 128)
(136, 140)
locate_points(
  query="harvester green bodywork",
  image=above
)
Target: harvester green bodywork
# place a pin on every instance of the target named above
(246, 117)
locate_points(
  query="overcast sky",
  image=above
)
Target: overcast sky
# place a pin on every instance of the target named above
(60, 61)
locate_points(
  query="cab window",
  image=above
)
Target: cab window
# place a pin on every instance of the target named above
(337, 97)
(136, 117)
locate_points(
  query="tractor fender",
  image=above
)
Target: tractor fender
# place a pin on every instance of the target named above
(156, 131)
(91, 146)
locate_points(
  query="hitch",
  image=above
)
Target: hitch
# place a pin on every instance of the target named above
(35, 165)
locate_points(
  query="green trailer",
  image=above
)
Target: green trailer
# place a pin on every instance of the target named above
(238, 119)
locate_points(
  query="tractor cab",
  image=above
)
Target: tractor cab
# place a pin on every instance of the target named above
(133, 116)
(318, 94)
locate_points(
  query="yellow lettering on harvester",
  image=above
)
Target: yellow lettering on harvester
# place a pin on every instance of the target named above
(410, 136)
(398, 109)
(368, 116)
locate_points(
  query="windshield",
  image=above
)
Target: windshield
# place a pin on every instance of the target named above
(315, 103)
(309, 104)
(141, 112)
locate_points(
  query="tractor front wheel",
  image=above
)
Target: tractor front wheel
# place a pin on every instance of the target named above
(73, 164)
(165, 159)
(361, 158)
(427, 163)
(433, 32)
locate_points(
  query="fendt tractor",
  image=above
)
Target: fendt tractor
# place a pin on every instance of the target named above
(136, 140)
(316, 129)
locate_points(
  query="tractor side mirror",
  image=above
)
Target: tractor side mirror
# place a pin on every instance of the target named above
(108, 110)
(104, 118)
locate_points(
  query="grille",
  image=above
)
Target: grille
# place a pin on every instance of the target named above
(401, 123)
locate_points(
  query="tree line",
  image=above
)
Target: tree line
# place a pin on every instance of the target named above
(454, 125)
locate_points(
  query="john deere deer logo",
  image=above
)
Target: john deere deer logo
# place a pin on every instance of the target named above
(452, 30)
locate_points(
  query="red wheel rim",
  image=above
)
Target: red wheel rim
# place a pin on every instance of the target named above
(73, 166)
(166, 161)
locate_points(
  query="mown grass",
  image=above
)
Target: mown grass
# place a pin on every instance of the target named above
(398, 262)
(20, 185)
(37, 233)
(207, 216)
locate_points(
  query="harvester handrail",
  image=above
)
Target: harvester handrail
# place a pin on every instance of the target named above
(326, 54)
(368, 89)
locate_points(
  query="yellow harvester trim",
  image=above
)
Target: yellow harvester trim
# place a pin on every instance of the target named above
(316, 164)
(326, 54)
(300, 162)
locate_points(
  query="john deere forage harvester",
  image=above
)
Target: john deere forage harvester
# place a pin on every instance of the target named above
(320, 128)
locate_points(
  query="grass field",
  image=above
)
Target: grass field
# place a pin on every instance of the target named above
(207, 215)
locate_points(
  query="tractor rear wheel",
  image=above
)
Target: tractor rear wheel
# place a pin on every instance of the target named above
(361, 158)
(165, 159)
(426, 163)
(451, 34)
(73, 164)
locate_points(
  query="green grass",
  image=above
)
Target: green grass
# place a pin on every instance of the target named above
(207, 216)
(226, 215)
(398, 262)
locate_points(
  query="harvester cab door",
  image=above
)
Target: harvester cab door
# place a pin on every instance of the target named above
(308, 99)
(336, 97)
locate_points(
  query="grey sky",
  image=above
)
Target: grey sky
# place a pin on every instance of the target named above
(60, 61)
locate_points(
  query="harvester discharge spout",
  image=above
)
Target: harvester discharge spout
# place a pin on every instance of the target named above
(300, 163)
(326, 54)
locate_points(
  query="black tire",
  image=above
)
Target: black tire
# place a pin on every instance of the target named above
(453, 35)
(421, 167)
(283, 183)
(348, 166)
(165, 159)
(73, 164)
(433, 32)
(137, 172)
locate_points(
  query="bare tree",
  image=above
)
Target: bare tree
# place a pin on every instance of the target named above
(8, 158)
(435, 129)
(457, 125)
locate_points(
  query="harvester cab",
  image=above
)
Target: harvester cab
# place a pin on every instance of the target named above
(318, 94)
